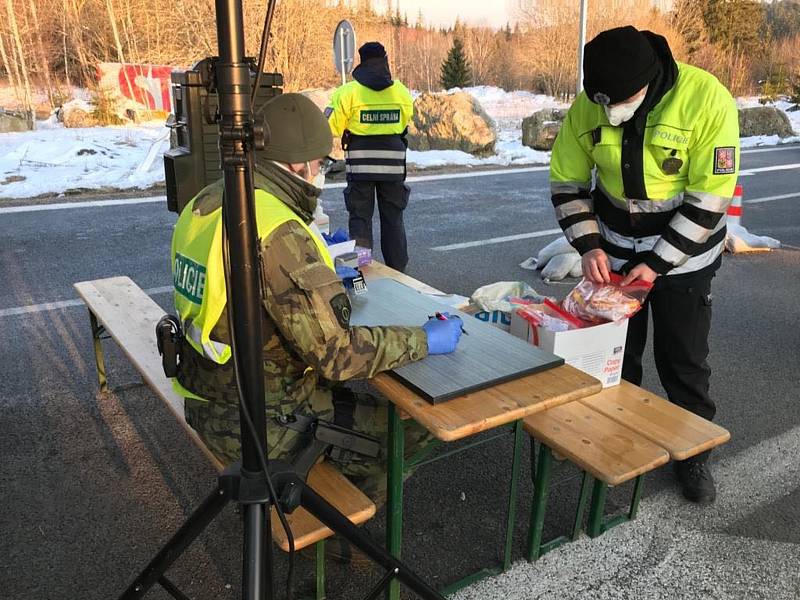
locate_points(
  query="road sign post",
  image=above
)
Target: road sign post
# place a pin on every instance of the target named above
(344, 49)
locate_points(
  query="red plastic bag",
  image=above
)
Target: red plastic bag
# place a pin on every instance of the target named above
(603, 302)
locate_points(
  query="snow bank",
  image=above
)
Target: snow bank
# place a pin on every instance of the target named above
(53, 159)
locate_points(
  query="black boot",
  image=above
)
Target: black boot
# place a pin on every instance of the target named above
(696, 481)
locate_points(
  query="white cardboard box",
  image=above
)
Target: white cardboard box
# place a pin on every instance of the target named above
(597, 350)
(498, 318)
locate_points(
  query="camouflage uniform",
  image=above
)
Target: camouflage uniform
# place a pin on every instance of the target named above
(308, 345)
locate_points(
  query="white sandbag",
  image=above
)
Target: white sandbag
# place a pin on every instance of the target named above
(554, 248)
(740, 240)
(494, 296)
(529, 264)
(577, 270)
(560, 266)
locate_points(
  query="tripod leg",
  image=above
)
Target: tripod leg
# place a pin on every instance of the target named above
(192, 527)
(257, 552)
(342, 526)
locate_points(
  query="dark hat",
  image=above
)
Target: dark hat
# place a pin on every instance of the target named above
(371, 50)
(298, 131)
(618, 63)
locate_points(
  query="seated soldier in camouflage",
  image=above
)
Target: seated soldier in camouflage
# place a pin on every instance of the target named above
(308, 341)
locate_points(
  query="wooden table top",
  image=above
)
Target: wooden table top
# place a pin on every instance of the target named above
(485, 409)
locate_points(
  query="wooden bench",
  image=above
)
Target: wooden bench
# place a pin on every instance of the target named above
(682, 433)
(613, 436)
(119, 308)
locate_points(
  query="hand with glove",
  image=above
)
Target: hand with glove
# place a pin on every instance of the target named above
(338, 236)
(443, 335)
(345, 273)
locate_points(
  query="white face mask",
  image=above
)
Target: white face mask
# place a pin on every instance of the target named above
(318, 180)
(620, 113)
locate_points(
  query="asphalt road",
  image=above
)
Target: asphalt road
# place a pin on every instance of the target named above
(93, 484)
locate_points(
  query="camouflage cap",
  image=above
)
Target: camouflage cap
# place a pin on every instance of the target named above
(299, 132)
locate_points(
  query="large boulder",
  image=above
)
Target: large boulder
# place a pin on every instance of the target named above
(13, 122)
(74, 117)
(764, 120)
(77, 113)
(539, 131)
(454, 121)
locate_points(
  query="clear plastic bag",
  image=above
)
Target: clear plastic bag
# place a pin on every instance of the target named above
(604, 302)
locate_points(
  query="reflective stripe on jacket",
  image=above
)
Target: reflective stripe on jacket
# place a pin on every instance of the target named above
(198, 271)
(689, 163)
(372, 124)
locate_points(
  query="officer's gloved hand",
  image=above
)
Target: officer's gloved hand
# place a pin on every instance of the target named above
(338, 236)
(443, 336)
(346, 272)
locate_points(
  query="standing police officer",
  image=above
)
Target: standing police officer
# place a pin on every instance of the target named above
(308, 341)
(663, 139)
(371, 115)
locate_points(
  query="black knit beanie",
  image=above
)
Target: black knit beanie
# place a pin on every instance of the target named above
(618, 63)
(371, 50)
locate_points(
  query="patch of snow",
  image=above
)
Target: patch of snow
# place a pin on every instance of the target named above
(56, 159)
(771, 140)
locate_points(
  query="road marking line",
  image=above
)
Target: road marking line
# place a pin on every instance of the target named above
(443, 176)
(771, 149)
(47, 306)
(130, 201)
(332, 186)
(771, 198)
(546, 232)
(87, 204)
(748, 172)
(497, 240)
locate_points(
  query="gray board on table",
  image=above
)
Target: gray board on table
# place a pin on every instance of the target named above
(485, 357)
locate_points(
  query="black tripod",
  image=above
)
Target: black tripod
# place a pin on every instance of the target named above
(254, 483)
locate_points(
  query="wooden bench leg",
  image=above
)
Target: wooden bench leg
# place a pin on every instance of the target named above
(597, 509)
(97, 332)
(586, 486)
(512, 494)
(320, 570)
(541, 475)
(539, 504)
(597, 524)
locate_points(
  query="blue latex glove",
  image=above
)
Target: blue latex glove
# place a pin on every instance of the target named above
(338, 236)
(346, 272)
(443, 336)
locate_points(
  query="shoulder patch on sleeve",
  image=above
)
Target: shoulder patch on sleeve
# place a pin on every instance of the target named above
(341, 308)
(724, 160)
(328, 111)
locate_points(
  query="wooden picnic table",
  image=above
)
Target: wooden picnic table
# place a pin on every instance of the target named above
(496, 406)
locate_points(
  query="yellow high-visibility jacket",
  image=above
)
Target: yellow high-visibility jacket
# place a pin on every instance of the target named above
(659, 198)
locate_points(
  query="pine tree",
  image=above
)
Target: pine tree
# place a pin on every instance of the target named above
(456, 71)
(734, 24)
(420, 19)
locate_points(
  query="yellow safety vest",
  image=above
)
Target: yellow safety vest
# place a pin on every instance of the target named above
(363, 111)
(199, 274)
(689, 166)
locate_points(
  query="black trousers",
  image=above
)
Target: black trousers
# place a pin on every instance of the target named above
(681, 309)
(359, 198)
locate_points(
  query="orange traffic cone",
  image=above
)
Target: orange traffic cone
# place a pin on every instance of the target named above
(738, 238)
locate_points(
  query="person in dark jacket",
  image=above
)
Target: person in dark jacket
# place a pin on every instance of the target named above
(371, 114)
